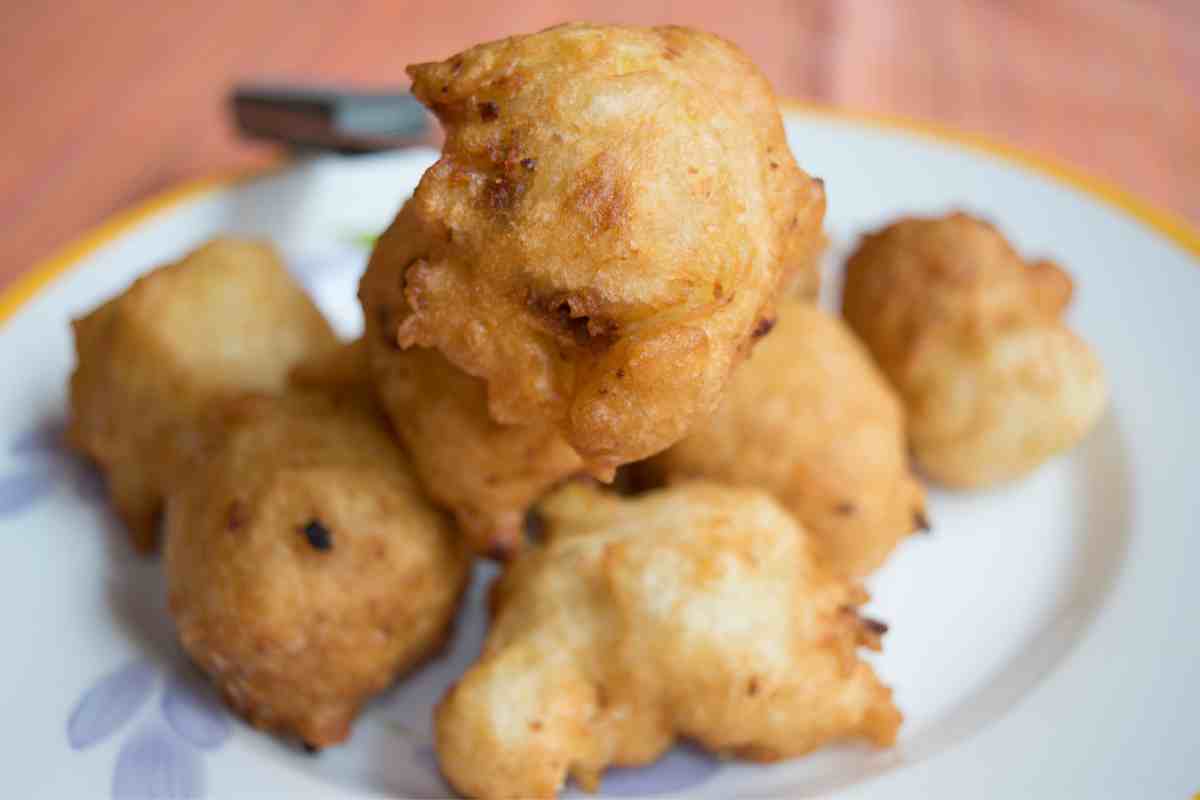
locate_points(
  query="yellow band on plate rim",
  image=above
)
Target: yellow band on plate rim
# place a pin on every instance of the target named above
(1170, 225)
(1174, 228)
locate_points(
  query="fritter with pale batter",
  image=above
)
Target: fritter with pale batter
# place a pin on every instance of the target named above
(696, 612)
(811, 419)
(973, 339)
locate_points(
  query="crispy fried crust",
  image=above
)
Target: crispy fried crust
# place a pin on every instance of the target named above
(804, 281)
(488, 474)
(485, 472)
(694, 612)
(612, 214)
(342, 375)
(811, 419)
(305, 569)
(973, 338)
(227, 318)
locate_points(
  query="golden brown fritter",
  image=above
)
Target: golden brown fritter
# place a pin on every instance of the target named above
(973, 338)
(811, 419)
(804, 282)
(612, 214)
(342, 374)
(305, 569)
(226, 318)
(488, 474)
(696, 612)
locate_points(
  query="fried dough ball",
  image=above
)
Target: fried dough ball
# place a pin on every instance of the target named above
(973, 338)
(226, 318)
(488, 474)
(811, 419)
(612, 214)
(696, 612)
(342, 374)
(805, 281)
(305, 570)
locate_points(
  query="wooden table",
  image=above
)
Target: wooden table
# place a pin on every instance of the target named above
(106, 102)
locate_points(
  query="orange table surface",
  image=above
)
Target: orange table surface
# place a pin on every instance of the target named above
(107, 102)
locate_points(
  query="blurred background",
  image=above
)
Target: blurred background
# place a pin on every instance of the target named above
(107, 102)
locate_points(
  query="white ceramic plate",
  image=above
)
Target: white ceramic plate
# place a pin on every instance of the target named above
(1043, 638)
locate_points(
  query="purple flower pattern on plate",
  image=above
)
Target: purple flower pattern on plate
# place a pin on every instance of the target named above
(110, 703)
(44, 463)
(44, 439)
(23, 490)
(154, 764)
(195, 713)
(162, 759)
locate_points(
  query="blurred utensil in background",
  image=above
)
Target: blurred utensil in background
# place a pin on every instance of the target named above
(338, 120)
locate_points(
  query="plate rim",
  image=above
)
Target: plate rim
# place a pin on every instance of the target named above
(1167, 224)
(191, 197)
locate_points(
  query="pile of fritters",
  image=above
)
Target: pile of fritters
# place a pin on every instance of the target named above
(608, 226)
(613, 264)
(698, 611)
(305, 568)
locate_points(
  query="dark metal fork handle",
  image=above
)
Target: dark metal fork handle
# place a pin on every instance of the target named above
(330, 119)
